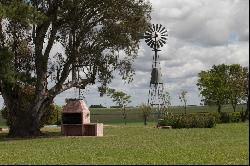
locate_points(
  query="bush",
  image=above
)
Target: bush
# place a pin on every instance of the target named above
(189, 121)
(5, 114)
(244, 115)
(50, 115)
(224, 117)
(216, 115)
(233, 117)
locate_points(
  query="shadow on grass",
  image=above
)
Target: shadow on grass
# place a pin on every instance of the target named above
(45, 134)
(56, 132)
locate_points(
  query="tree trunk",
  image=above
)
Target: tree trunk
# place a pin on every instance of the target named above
(145, 121)
(247, 110)
(219, 108)
(185, 108)
(234, 107)
(125, 119)
(24, 124)
(234, 104)
(24, 114)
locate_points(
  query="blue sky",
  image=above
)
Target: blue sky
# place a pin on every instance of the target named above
(201, 33)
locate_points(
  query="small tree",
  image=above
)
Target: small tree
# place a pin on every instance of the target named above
(183, 98)
(166, 102)
(121, 99)
(146, 111)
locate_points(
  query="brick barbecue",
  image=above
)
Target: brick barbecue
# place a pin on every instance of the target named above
(76, 120)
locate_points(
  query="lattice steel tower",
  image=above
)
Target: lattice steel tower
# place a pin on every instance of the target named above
(155, 38)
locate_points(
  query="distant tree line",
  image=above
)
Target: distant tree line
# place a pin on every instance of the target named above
(97, 106)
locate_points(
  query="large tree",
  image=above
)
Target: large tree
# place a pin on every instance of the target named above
(98, 37)
(238, 84)
(224, 84)
(213, 85)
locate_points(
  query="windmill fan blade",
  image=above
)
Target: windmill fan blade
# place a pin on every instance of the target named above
(163, 38)
(152, 45)
(160, 41)
(149, 45)
(164, 31)
(163, 41)
(148, 33)
(164, 35)
(157, 27)
(151, 29)
(147, 40)
(148, 37)
(154, 27)
(163, 28)
(150, 42)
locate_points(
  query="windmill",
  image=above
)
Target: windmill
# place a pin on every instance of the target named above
(156, 37)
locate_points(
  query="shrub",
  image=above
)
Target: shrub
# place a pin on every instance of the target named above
(189, 121)
(224, 117)
(50, 115)
(5, 114)
(233, 117)
(244, 115)
(216, 115)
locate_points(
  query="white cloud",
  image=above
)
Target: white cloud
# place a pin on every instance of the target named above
(203, 22)
(201, 33)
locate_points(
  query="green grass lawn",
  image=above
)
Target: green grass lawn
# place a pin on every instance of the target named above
(133, 144)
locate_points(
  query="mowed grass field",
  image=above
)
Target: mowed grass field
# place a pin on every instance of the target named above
(113, 115)
(133, 144)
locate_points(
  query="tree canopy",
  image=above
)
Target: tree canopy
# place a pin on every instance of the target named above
(121, 99)
(98, 37)
(183, 98)
(224, 84)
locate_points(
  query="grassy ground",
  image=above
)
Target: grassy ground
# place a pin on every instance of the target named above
(114, 115)
(133, 144)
